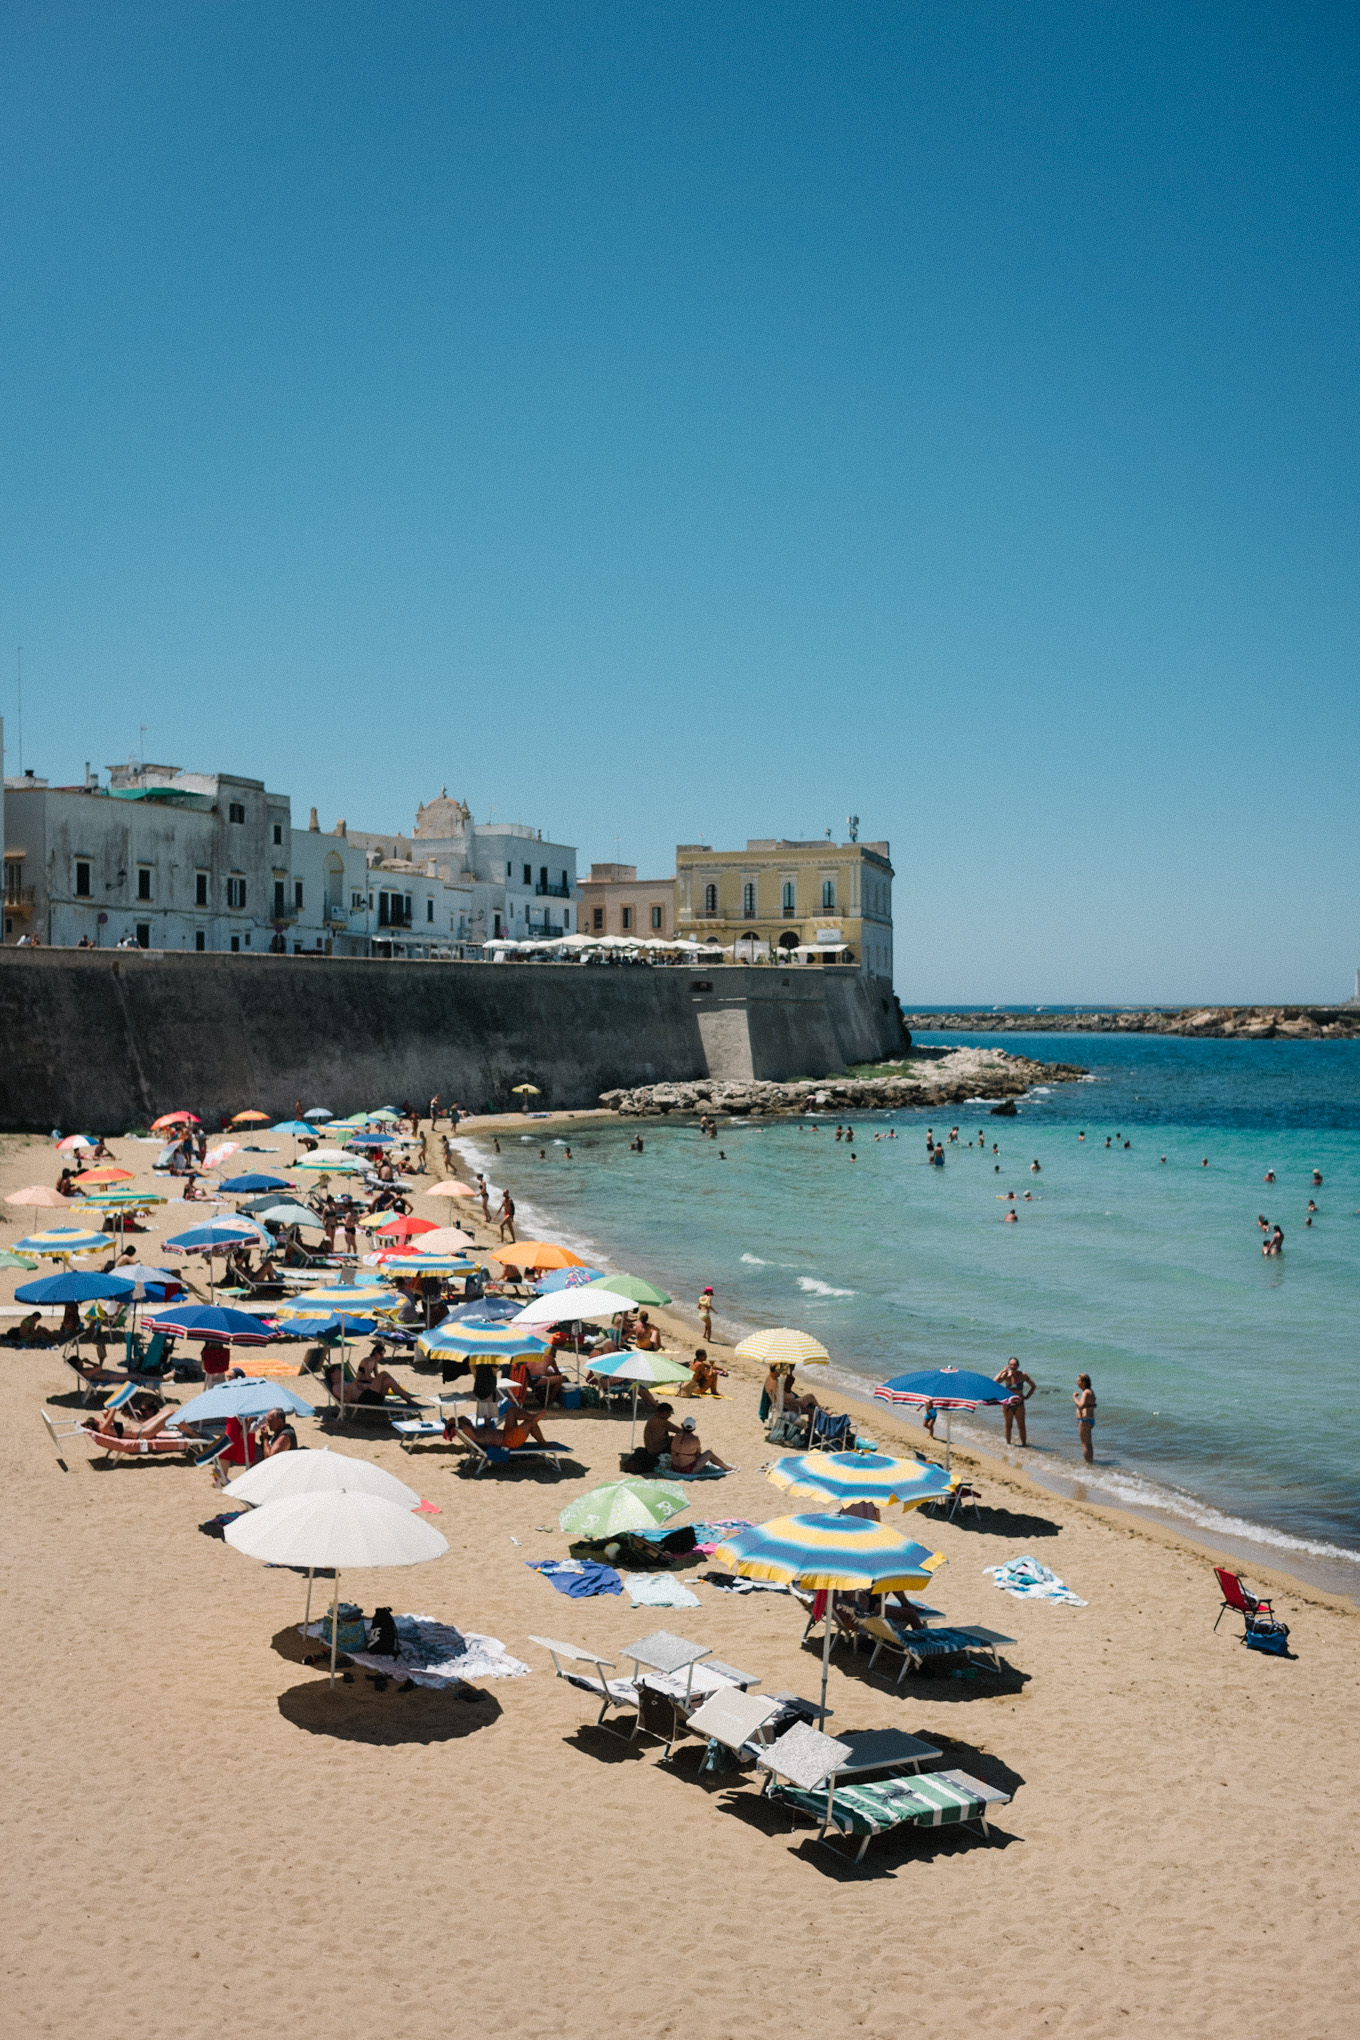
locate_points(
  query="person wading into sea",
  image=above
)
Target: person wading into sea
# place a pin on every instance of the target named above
(1013, 1376)
(1084, 1396)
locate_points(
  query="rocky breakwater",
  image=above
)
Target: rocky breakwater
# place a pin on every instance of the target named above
(959, 1077)
(1229, 1023)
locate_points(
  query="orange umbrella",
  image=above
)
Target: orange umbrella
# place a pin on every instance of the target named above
(104, 1176)
(169, 1119)
(402, 1228)
(451, 1189)
(250, 1119)
(536, 1254)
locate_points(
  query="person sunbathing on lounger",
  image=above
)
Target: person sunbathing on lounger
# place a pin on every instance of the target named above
(371, 1384)
(106, 1425)
(689, 1456)
(519, 1427)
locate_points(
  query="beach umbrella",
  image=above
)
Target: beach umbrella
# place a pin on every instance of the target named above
(339, 1529)
(446, 1239)
(217, 1236)
(388, 1112)
(639, 1368)
(245, 1186)
(406, 1265)
(270, 1210)
(371, 1140)
(634, 1289)
(169, 1119)
(860, 1477)
(156, 1285)
(95, 1178)
(211, 1321)
(74, 1142)
(948, 1388)
(315, 1473)
(782, 1347)
(9, 1260)
(620, 1506)
(333, 1165)
(558, 1279)
(405, 1227)
(252, 1397)
(567, 1306)
(215, 1156)
(452, 1189)
(835, 1554)
(38, 1197)
(250, 1118)
(121, 1193)
(318, 1112)
(480, 1339)
(536, 1254)
(342, 1324)
(500, 1310)
(299, 1128)
(76, 1288)
(526, 1091)
(364, 1297)
(60, 1240)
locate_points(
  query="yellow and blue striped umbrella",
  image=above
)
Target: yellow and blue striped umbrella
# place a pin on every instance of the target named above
(860, 1477)
(473, 1339)
(358, 1298)
(840, 1554)
(57, 1240)
(115, 1200)
(405, 1267)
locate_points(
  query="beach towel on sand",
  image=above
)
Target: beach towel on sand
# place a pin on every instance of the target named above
(577, 1578)
(1027, 1580)
(658, 1590)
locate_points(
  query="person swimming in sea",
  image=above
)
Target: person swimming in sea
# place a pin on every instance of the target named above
(1275, 1244)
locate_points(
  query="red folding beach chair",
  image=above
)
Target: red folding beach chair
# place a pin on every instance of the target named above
(1236, 1597)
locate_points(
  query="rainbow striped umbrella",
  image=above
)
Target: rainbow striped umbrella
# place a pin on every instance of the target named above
(57, 1240)
(860, 1477)
(838, 1554)
(480, 1339)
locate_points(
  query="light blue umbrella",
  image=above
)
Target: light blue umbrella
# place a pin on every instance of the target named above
(243, 1399)
(566, 1278)
(217, 1236)
(299, 1128)
(76, 1288)
(281, 1214)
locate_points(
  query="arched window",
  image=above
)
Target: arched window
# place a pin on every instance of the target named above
(828, 895)
(788, 896)
(710, 899)
(748, 898)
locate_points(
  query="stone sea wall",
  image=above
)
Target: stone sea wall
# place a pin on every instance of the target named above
(99, 1041)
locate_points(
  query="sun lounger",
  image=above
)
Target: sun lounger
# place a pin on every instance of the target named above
(735, 1719)
(917, 1645)
(620, 1694)
(938, 1799)
(485, 1458)
(160, 1445)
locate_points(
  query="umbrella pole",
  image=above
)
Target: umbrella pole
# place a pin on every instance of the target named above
(948, 1423)
(335, 1619)
(632, 1433)
(826, 1646)
(307, 1618)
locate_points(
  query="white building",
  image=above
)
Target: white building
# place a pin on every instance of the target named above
(163, 858)
(500, 878)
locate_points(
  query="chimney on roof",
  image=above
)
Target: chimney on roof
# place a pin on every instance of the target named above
(313, 825)
(341, 827)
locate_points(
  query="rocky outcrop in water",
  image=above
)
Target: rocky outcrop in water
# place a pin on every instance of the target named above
(1228, 1023)
(953, 1079)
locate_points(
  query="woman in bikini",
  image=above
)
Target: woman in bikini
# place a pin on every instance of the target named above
(1085, 1399)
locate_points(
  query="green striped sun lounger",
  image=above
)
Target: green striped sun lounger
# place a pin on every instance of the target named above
(932, 1799)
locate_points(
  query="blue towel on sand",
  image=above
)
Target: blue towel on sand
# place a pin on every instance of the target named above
(577, 1578)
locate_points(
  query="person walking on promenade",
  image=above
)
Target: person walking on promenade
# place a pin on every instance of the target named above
(1013, 1376)
(1084, 1396)
(507, 1216)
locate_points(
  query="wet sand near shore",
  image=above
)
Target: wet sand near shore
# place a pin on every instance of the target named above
(202, 1837)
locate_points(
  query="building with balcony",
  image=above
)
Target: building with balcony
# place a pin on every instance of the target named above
(505, 879)
(615, 901)
(803, 902)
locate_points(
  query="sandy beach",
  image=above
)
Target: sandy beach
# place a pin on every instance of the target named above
(202, 1837)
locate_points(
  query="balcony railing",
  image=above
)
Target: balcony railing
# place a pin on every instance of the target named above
(553, 892)
(20, 902)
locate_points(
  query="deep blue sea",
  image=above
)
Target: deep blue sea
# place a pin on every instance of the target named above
(1226, 1381)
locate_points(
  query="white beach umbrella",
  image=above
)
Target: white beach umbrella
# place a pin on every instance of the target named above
(304, 1472)
(339, 1529)
(565, 1306)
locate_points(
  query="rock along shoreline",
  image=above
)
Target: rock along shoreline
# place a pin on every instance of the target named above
(1230, 1023)
(926, 1078)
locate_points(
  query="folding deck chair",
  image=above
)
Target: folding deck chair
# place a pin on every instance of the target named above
(805, 1773)
(485, 1458)
(620, 1694)
(918, 1645)
(1236, 1597)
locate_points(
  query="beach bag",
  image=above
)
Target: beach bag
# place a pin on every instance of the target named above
(350, 1630)
(1270, 1637)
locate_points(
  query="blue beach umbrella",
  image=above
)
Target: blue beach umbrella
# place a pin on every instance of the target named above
(299, 1128)
(76, 1288)
(211, 1321)
(566, 1278)
(342, 1325)
(243, 1399)
(948, 1388)
(59, 1240)
(217, 1236)
(318, 1112)
(245, 1186)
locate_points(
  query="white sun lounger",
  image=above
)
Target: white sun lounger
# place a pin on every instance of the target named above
(621, 1694)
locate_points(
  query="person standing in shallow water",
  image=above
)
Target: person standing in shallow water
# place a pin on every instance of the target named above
(1013, 1376)
(1084, 1396)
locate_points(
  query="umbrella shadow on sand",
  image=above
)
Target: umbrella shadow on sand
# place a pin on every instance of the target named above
(360, 1713)
(994, 1522)
(606, 1745)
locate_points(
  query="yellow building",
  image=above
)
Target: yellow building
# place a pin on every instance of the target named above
(796, 902)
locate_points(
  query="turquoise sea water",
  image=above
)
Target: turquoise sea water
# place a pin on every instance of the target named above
(1226, 1382)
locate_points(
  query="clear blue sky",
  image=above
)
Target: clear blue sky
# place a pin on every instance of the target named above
(669, 423)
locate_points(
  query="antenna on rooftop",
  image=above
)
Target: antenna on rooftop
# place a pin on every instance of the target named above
(852, 824)
(19, 717)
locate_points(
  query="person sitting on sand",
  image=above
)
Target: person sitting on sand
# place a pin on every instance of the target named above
(30, 1331)
(646, 1336)
(276, 1434)
(703, 1374)
(794, 1397)
(688, 1455)
(657, 1434)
